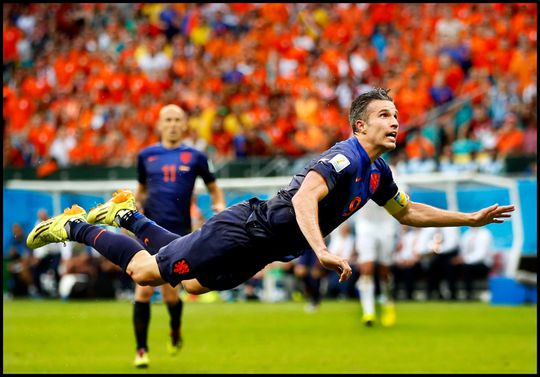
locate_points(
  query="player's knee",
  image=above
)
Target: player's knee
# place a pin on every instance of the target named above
(143, 294)
(143, 271)
(193, 287)
(142, 278)
(367, 268)
(170, 295)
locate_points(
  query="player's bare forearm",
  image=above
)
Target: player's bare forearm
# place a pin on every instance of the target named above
(423, 215)
(307, 217)
(217, 197)
(140, 196)
(306, 206)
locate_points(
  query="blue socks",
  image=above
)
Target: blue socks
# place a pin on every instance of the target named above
(151, 235)
(118, 248)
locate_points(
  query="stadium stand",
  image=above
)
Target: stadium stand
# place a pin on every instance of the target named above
(83, 82)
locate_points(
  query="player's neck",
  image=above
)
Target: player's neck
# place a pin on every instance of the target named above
(170, 144)
(373, 151)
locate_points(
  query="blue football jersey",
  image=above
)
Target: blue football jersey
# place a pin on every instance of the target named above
(169, 176)
(352, 180)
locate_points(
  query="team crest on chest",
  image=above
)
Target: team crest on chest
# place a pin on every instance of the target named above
(374, 182)
(185, 157)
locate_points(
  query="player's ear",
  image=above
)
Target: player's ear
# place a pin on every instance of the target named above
(360, 126)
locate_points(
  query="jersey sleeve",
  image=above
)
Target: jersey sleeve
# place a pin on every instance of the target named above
(387, 188)
(141, 170)
(333, 167)
(203, 169)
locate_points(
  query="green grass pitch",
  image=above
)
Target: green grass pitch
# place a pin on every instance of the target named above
(97, 337)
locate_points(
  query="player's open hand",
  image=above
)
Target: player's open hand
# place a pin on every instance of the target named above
(492, 214)
(335, 263)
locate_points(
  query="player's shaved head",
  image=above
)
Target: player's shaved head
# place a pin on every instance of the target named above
(172, 125)
(171, 108)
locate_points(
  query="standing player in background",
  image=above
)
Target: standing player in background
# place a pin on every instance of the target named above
(240, 241)
(310, 272)
(376, 239)
(166, 174)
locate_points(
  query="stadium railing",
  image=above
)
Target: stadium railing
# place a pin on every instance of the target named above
(466, 192)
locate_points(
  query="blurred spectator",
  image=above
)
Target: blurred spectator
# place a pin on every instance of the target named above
(418, 146)
(342, 244)
(407, 268)
(45, 263)
(446, 161)
(75, 65)
(20, 281)
(504, 100)
(441, 93)
(509, 136)
(221, 141)
(475, 257)
(530, 138)
(442, 245)
(420, 152)
(489, 162)
(62, 144)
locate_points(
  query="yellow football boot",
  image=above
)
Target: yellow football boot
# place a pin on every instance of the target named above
(141, 359)
(105, 213)
(388, 317)
(52, 230)
(368, 319)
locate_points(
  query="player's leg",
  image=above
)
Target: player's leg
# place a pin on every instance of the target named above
(121, 211)
(388, 317)
(174, 306)
(193, 287)
(366, 289)
(141, 323)
(316, 277)
(120, 249)
(303, 271)
(365, 245)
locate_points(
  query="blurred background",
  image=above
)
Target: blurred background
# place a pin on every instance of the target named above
(267, 87)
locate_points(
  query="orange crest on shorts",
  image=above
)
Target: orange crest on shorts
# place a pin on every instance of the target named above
(181, 267)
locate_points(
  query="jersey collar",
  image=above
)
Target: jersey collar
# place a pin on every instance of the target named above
(363, 154)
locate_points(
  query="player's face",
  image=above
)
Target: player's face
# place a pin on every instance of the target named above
(172, 125)
(382, 124)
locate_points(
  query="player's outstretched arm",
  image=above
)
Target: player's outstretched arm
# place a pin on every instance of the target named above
(306, 208)
(423, 215)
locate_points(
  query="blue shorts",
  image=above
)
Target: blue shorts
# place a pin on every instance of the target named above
(308, 259)
(222, 254)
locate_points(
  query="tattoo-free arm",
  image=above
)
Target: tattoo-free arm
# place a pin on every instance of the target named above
(423, 215)
(306, 207)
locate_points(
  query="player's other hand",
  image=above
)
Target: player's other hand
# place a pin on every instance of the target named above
(335, 263)
(216, 208)
(492, 214)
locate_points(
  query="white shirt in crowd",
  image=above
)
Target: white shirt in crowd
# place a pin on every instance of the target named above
(441, 240)
(342, 242)
(410, 246)
(476, 246)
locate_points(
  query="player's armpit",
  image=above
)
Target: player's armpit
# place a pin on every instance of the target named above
(397, 203)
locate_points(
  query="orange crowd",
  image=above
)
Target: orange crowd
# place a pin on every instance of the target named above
(83, 83)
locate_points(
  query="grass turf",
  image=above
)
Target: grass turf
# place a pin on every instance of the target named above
(97, 337)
